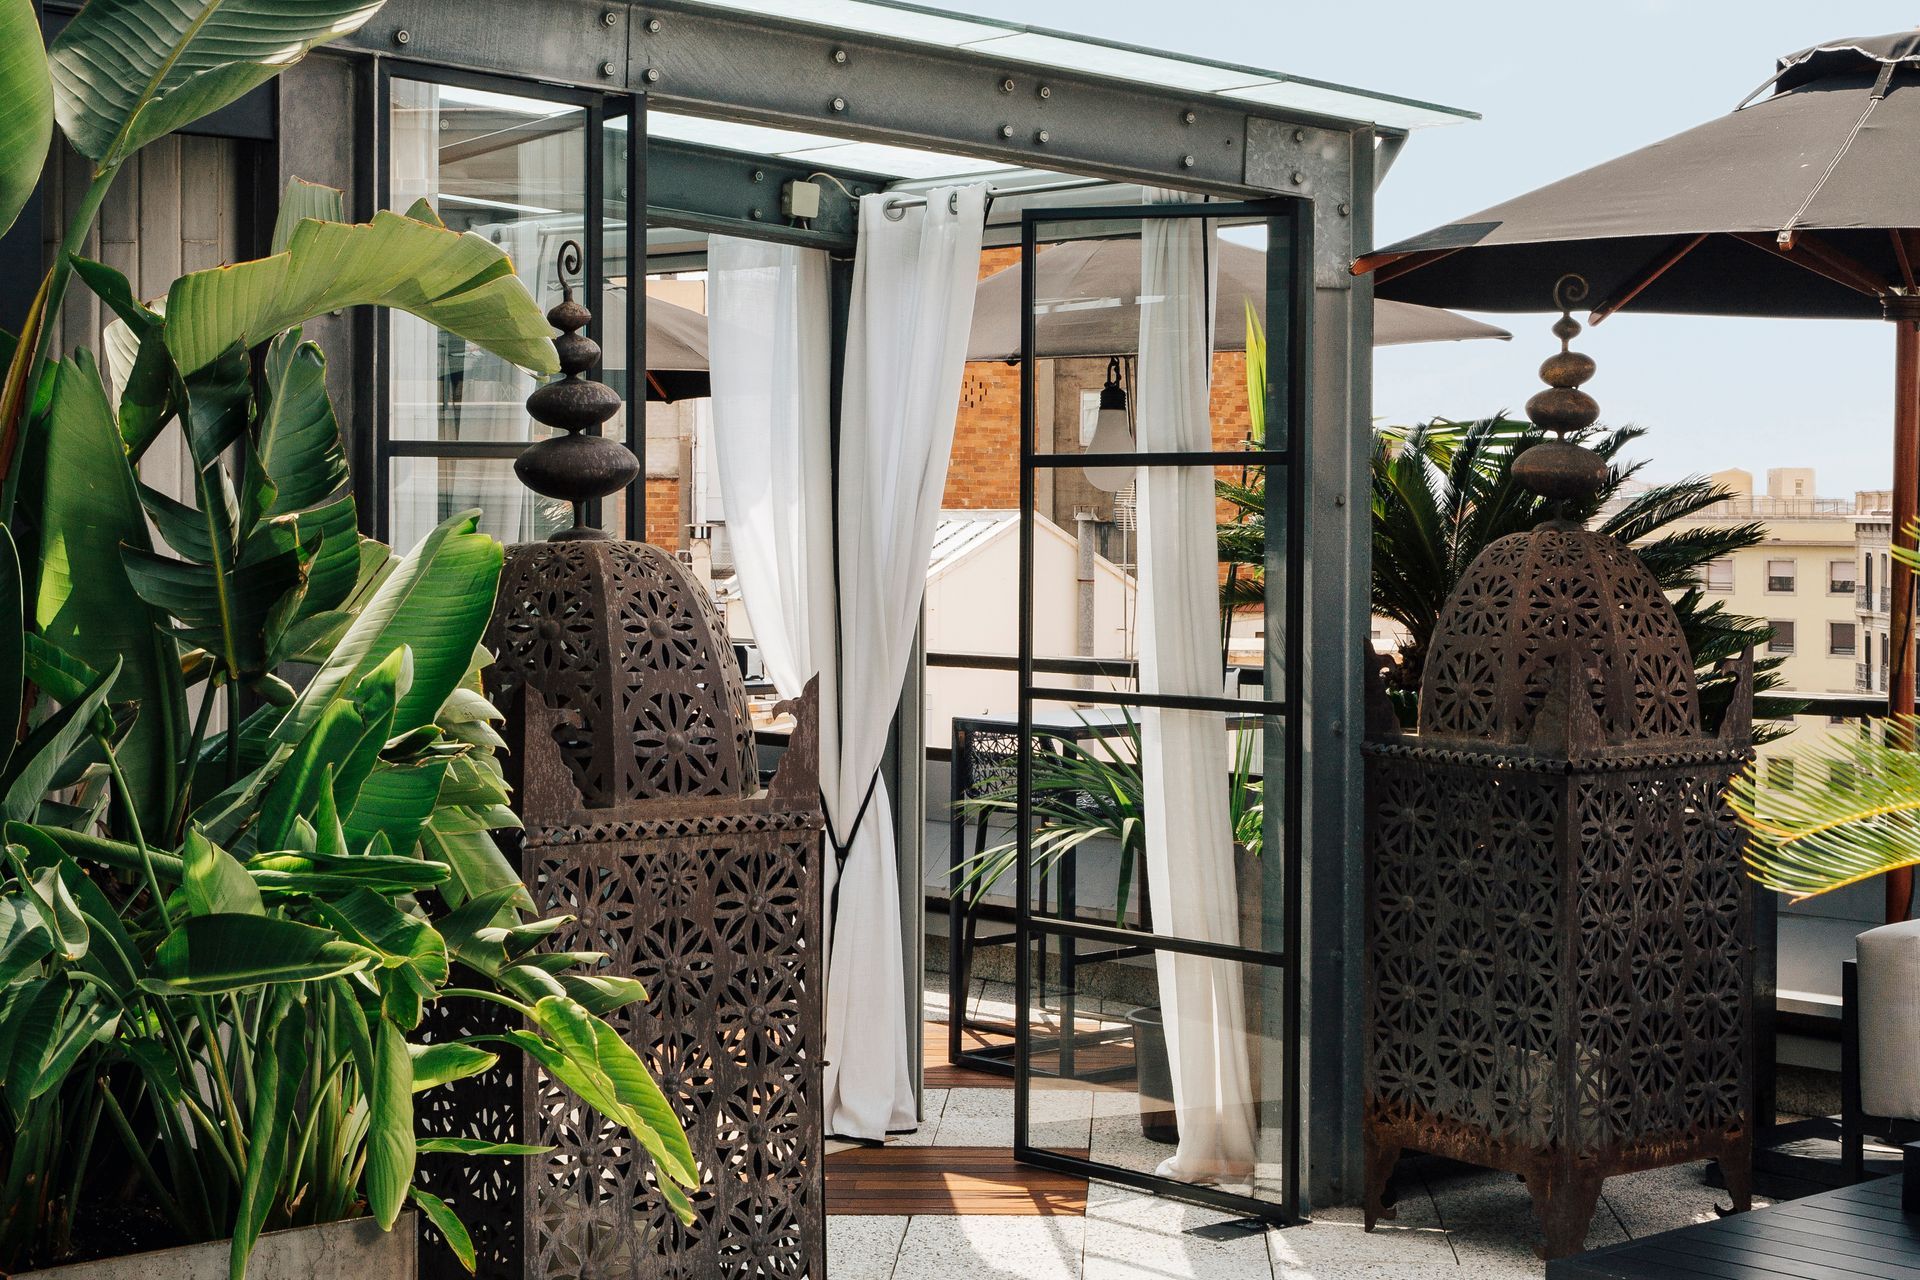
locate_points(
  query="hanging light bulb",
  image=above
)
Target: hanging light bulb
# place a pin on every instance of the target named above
(1112, 433)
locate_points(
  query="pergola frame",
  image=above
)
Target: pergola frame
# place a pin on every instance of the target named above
(326, 118)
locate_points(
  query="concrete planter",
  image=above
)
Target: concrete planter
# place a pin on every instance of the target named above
(353, 1250)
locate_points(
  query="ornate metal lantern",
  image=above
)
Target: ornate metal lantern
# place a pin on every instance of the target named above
(1560, 939)
(645, 822)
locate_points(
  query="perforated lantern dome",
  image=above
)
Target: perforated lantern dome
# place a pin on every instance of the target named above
(1535, 601)
(623, 641)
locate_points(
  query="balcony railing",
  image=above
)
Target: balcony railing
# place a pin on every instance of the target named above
(1862, 678)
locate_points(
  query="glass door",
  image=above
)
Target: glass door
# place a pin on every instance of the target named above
(531, 168)
(1163, 374)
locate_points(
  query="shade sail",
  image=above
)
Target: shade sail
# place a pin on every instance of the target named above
(1089, 291)
(1782, 208)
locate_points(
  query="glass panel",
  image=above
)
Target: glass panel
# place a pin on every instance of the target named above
(1103, 1082)
(610, 327)
(1111, 297)
(1149, 819)
(511, 169)
(428, 490)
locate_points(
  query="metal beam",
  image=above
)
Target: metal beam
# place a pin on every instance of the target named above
(768, 70)
(715, 190)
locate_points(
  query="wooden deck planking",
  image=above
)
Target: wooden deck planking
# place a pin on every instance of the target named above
(948, 1182)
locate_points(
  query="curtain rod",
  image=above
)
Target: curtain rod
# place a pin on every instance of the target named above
(897, 206)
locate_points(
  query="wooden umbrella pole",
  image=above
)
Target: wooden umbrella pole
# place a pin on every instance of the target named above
(1904, 311)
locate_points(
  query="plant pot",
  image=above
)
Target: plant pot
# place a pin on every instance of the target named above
(1153, 1075)
(356, 1249)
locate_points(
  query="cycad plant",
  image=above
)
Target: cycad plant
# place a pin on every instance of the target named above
(1851, 811)
(1839, 808)
(1444, 491)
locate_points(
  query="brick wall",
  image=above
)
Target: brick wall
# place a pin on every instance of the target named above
(985, 469)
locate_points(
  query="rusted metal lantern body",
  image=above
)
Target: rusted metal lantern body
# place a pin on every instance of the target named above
(645, 822)
(1560, 938)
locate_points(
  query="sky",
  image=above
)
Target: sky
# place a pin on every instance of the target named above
(1562, 87)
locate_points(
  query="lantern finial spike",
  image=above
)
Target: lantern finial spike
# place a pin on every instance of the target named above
(581, 464)
(1560, 468)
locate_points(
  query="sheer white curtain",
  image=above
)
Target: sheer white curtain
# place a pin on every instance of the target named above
(912, 306)
(767, 331)
(1185, 769)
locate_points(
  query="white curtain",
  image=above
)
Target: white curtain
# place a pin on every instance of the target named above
(912, 306)
(767, 332)
(1185, 769)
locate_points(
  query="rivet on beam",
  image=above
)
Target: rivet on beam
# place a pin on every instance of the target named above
(838, 104)
(1189, 117)
(1043, 136)
(653, 26)
(1046, 91)
(651, 75)
(1006, 86)
(609, 19)
(1186, 162)
(606, 69)
(1006, 131)
(840, 57)
(403, 36)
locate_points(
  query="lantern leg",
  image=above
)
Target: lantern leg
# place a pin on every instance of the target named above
(1904, 312)
(1564, 1200)
(1736, 1169)
(1381, 1156)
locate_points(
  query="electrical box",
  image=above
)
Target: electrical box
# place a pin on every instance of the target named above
(800, 199)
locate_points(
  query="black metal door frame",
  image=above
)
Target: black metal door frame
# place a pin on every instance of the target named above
(599, 107)
(1284, 458)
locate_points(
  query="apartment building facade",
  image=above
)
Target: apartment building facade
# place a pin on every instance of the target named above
(1803, 578)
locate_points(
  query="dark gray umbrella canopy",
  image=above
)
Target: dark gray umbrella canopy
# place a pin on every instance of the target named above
(1088, 288)
(676, 352)
(1793, 205)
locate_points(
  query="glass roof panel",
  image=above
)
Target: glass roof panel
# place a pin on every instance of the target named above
(1065, 51)
(814, 148)
(1117, 63)
(1348, 104)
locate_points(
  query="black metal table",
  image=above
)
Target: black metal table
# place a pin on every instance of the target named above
(1855, 1233)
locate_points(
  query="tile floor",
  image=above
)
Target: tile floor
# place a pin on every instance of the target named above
(1452, 1224)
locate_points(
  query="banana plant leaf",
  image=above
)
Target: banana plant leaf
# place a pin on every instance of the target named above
(436, 602)
(213, 955)
(86, 604)
(459, 281)
(126, 72)
(26, 106)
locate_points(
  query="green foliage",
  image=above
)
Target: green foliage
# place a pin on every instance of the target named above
(218, 941)
(1850, 812)
(26, 106)
(1840, 808)
(127, 72)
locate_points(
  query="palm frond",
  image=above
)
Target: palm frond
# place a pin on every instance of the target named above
(1851, 811)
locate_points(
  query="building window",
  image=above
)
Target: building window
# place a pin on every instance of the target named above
(1781, 574)
(1780, 773)
(1840, 577)
(1840, 639)
(1782, 639)
(1717, 575)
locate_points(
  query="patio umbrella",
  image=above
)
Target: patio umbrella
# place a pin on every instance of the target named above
(1804, 202)
(676, 352)
(1089, 287)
